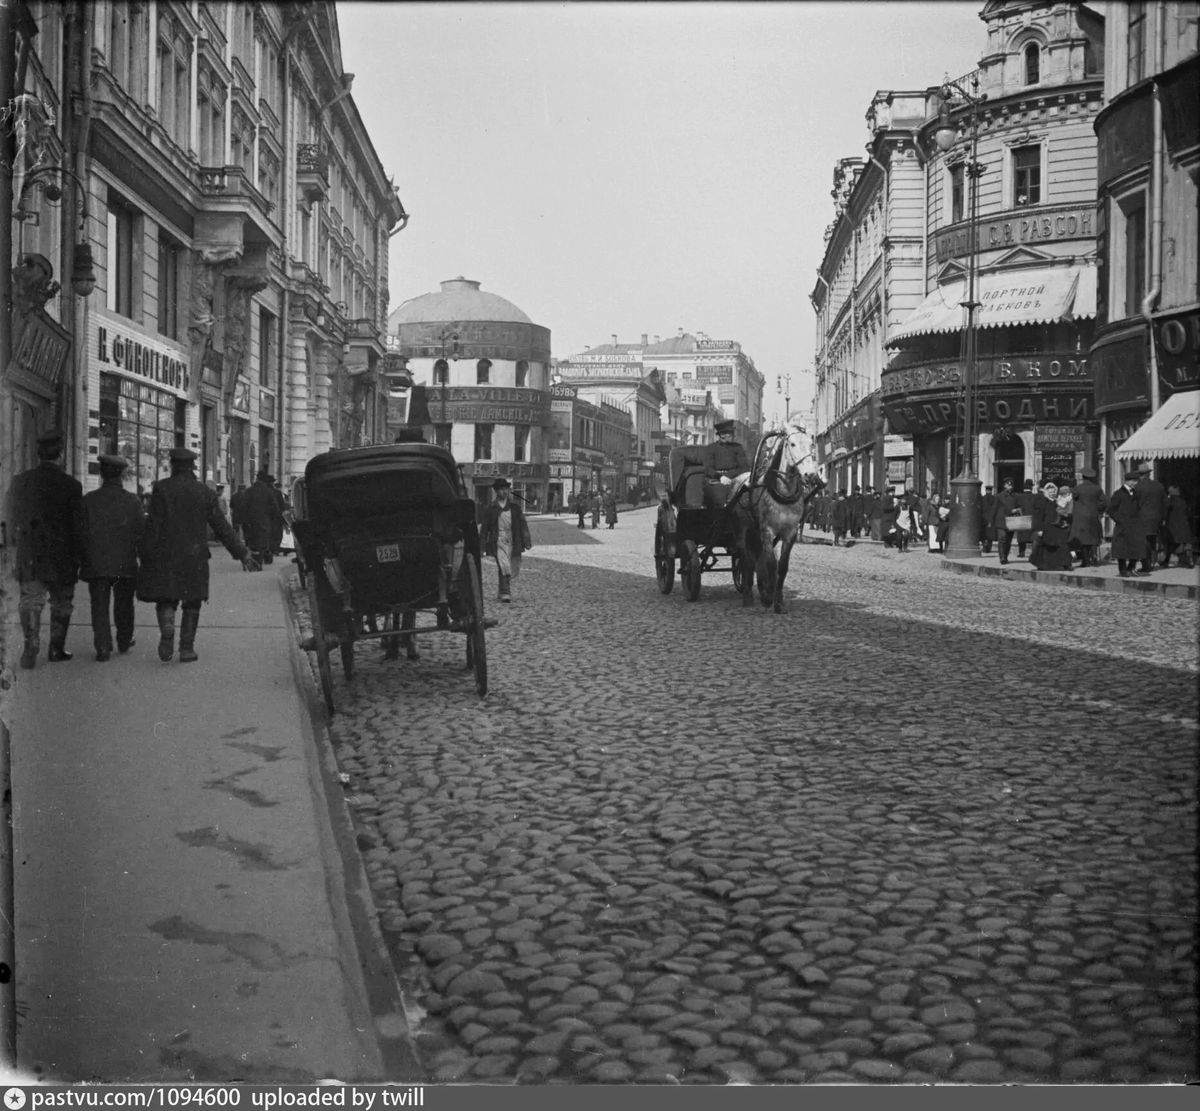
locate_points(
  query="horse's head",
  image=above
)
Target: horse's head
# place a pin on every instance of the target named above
(799, 455)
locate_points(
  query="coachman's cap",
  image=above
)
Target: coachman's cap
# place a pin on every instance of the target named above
(182, 455)
(501, 484)
(1132, 476)
(723, 426)
(113, 462)
(1087, 472)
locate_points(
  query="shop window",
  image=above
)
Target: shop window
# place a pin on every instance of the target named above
(483, 372)
(1033, 60)
(1027, 175)
(522, 372)
(122, 223)
(1128, 267)
(483, 440)
(441, 373)
(169, 256)
(521, 443)
(266, 347)
(142, 424)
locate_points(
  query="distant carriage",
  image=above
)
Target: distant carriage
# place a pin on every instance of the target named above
(384, 534)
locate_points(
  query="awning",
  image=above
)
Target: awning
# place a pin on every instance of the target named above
(1173, 432)
(1039, 296)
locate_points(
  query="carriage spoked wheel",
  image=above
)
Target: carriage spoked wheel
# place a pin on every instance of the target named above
(691, 569)
(471, 597)
(664, 565)
(320, 646)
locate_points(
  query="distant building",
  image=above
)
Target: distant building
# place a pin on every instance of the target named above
(484, 367)
(589, 445)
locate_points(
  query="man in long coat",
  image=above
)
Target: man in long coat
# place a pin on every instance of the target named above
(237, 503)
(1026, 502)
(261, 518)
(113, 523)
(1129, 542)
(504, 535)
(45, 510)
(1005, 506)
(175, 555)
(1090, 503)
(1152, 513)
(987, 509)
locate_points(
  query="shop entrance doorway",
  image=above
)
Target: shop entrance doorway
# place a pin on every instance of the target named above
(1009, 461)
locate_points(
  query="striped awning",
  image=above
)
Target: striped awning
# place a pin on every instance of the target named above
(1006, 297)
(1172, 432)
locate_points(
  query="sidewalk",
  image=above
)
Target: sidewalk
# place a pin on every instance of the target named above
(187, 904)
(1174, 582)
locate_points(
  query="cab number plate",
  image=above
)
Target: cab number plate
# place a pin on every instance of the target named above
(387, 553)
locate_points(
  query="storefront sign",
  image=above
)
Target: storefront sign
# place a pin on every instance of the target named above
(490, 405)
(1058, 467)
(1060, 437)
(486, 468)
(1120, 370)
(934, 413)
(716, 374)
(1046, 225)
(558, 406)
(1041, 367)
(241, 396)
(716, 345)
(116, 347)
(602, 369)
(588, 456)
(560, 455)
(561, 392)
(41, 347)
(1177, 345)
(897, 447)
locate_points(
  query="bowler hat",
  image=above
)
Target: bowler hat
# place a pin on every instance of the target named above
(501, 484)
(1146, 468)
(1029, 484)
(182, 455)
(723, 426)
(263, 476)
(1087, 472)
(45, 439)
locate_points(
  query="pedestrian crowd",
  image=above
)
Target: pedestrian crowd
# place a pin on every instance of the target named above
(123, 548)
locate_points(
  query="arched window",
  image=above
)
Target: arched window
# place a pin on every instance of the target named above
(441, 373)
(483, 372)
(1033, 62)
(522, 371)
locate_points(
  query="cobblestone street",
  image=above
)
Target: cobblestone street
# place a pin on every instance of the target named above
(922, 827)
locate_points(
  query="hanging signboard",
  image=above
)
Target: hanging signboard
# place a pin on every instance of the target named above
(1058, 467)
(1059, 437)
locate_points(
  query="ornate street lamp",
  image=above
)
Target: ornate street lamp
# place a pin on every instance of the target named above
(83, 274)
(966, 503)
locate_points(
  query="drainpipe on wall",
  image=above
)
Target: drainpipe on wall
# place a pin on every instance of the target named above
(80, 52)
(1156, 208)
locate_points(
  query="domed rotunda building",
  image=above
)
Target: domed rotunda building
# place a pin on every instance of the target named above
(480, 372)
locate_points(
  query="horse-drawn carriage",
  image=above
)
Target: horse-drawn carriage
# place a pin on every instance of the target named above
(383, 534)
(701, 520)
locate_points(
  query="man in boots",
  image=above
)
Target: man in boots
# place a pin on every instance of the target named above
(505, 535)
(45, 509)
(262, 520)
(113, 522)
(175, 555)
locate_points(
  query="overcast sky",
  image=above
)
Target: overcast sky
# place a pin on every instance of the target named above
(636, 168)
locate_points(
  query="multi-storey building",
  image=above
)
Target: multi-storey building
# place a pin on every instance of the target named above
(590, 444)
(1144, 357)
(480, 369)
(238, 218)
(1035, 246)
(869, 280)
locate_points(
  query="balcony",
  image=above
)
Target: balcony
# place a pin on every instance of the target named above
(312, 172)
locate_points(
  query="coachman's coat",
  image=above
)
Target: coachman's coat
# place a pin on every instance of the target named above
(175, 551)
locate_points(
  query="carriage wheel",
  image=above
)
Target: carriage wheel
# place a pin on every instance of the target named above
(472, 600)
(740, 567)
(320, 647)
(691, 569)
(347, 646)
(664, 565)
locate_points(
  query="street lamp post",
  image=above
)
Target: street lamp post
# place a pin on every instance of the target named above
(448, 338)
(783, 385)
(966, 503)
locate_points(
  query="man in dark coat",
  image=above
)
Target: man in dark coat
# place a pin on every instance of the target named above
(872, 514)
(1005, 506)
(1026, 501)
(237, 510)
(45, 510)
(113, 522)
(280, 523)
(726, 459)
(261, 516)
(839, 518)
(1090, 503)
(987, 508)
(175, 555)
(1178, 532)
(1152, 513)
(1129, 542)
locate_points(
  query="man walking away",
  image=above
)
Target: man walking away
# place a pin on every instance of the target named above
(175, 553)
(1128, 543)
(1090, 503)
(1179, 530)
(259, 512)
(45, 506)
(840, 507)
(237, 511)
(113, 523)
(1152, 512)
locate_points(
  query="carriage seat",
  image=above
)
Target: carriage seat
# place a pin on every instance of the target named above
(685, 472)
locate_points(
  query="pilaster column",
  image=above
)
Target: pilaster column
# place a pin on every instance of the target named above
(297, 414)
(322, 430)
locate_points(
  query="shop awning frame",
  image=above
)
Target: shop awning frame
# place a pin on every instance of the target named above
(1171, 432)
(1037, 295)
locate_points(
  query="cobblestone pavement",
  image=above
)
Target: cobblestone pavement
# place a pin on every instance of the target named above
(920, 828)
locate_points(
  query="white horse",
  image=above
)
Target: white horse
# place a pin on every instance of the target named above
(770, 509)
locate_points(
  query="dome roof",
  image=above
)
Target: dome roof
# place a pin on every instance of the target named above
(460, 299)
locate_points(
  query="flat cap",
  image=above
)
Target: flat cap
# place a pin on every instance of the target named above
(501, 484)
(1087, 472)
(182, 455)
(114, 462)
(723, 426)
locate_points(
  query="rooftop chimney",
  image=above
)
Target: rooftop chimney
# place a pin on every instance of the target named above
(656, 339)
(680, 335)
(643, 339)
(614, 335)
